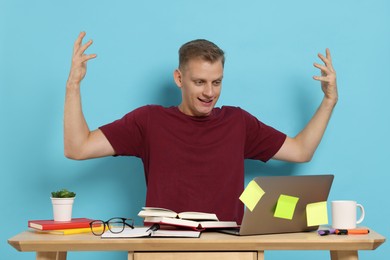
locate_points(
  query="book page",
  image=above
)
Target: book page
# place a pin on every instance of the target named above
(218, 224)
(172, 221)
(128, 232)
(145, 232)
(159, 209)
(156, 212)
(176, 233)
(198, 216)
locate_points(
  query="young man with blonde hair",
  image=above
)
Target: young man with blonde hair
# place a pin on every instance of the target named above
(193, 153)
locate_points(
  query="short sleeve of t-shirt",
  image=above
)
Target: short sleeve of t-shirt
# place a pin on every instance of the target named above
(127, 135)
(262, 142)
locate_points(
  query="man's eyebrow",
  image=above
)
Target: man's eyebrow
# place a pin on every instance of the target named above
(197, 79)
(203, 79)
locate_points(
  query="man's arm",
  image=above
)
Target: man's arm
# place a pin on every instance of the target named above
(79, 142)
(301, 148)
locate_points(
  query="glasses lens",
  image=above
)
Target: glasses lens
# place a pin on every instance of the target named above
(116, 225)
(97, 227)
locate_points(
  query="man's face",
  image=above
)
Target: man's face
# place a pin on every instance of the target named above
(200, 82)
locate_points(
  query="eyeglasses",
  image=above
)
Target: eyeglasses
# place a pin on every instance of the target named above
(115, 225)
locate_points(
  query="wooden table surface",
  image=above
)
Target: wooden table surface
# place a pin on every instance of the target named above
(209, 241)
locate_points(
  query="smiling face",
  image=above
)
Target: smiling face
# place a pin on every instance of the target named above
(200, 82)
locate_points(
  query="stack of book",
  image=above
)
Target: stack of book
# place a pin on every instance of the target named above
(75, 226)
(198, 221)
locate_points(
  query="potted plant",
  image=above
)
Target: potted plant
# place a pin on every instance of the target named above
(62, 202)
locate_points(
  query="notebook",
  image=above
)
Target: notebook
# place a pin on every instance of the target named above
(309, 189)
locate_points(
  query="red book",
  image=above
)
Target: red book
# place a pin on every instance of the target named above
(53, 225)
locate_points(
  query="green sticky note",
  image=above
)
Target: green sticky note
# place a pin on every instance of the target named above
(317, 214)
(252, 195)
(285, 207)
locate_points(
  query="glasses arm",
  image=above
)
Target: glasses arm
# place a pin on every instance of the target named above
(131, 226)
(127, 224)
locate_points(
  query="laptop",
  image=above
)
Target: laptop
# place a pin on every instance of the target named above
(308, 188)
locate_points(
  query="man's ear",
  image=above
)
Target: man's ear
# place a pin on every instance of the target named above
(177, 77)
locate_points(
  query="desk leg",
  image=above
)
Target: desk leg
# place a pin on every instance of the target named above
(260, 255)
(344, 255)
(130, 255)
(51, 256)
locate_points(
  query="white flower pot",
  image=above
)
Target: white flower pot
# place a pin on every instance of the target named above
(62, 208)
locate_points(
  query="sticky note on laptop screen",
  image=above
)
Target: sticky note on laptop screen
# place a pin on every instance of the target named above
(317, 214)
(285, 207)
(252, 195)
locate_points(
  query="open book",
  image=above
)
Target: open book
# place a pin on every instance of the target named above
(191, 224)
(161, 212)
(147, 232)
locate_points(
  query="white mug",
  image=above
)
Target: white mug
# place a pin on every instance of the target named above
(344, 214)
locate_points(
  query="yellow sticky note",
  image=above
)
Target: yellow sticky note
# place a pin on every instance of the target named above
(317, 214)
(285, 207)
(252, 195)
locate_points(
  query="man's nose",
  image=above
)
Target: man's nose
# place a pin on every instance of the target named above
(208, 90)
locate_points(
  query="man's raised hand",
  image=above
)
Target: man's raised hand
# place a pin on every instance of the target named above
(328, 77)
(79, 60)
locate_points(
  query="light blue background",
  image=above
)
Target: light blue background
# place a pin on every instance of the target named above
(270, 47)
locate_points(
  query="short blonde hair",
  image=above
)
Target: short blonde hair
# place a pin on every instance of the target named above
(200, 49)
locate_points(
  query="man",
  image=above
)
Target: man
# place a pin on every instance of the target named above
(193, 154)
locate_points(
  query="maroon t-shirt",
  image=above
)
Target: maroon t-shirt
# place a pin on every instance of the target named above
(194, 163)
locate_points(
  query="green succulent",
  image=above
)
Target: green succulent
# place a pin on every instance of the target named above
(64, 193)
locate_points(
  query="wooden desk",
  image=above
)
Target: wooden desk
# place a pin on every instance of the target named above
(209, 246)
